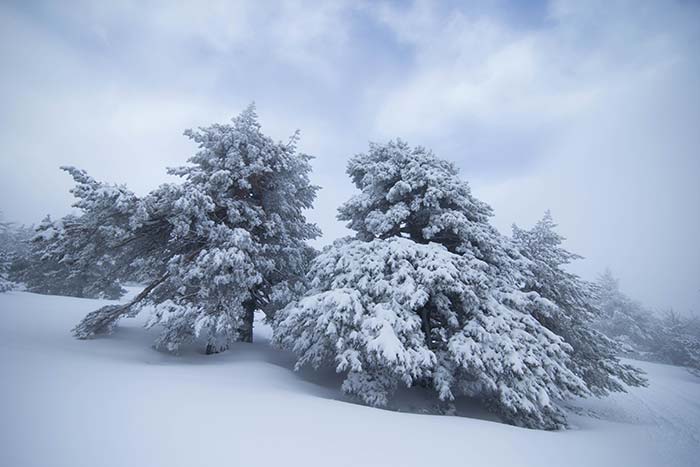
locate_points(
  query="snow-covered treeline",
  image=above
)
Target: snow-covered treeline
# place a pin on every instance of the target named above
(14, 247)
(425, 293)
(668, 337)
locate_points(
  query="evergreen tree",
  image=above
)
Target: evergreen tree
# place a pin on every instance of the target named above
(429, 293)
(61, 261)
(14, 242)
(664, 337)
(677, 340)
(230, 239)
(574, 312)
(621, 318)
(5, 257)
(5, 283)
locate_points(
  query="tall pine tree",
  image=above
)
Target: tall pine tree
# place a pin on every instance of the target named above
(622, 318)
(230, 239)
(574, 313)
(428, 292)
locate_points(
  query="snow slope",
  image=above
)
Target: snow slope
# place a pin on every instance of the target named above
(117, 402)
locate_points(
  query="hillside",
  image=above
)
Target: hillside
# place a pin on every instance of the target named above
(117, 402)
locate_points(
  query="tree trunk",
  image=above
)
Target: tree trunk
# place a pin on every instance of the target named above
(246, 330)
(213, 349)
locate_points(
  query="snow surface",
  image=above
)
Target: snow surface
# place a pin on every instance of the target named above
(116, 401)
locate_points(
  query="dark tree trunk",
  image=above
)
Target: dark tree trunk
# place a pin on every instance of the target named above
(214, 349)
(246, 331)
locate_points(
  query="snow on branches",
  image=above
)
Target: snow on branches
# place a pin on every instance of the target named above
(427, 292)
(430, 293)
(394, 311)
(230, 239)
(574, 314)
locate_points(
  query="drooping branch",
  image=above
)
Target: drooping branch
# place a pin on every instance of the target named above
(102, 321)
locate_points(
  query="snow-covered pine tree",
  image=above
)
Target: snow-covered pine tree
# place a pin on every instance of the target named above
(230, 239)
(5, 283)
(668, 337)
(14, 247)
(574, 312)
(622, 318)
(677, 340)
(74, 255)
(5, 256)
(428, 292)
(63, 260)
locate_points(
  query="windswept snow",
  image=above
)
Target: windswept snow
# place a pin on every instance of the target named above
(115, 401)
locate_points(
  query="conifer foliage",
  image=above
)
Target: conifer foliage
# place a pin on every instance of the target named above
(668, 337)
(429, 293)
(5, 256)
(426, 293)
(57, 262)
(14, 245)
(230, 239)
(677, 340)
(574, 313)
(622, 318)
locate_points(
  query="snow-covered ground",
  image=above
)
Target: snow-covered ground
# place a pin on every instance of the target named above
(117, 402)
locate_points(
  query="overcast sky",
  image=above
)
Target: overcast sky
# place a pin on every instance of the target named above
(590, 109)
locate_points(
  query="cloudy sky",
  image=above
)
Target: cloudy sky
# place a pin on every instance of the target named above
(590, 109)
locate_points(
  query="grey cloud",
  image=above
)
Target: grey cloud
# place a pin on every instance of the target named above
(587, 108)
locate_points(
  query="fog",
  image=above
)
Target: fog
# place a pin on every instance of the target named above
(589, 109)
